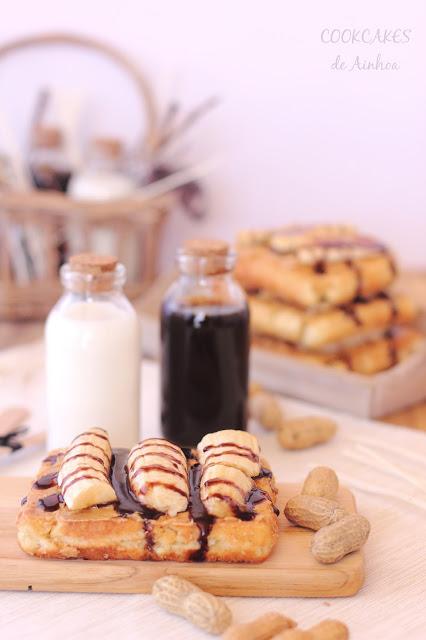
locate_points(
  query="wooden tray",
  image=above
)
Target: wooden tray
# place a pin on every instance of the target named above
(290, 571)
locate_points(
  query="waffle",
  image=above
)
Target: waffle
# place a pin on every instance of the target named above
(215, 503)
(367, 358)
(314, 266)
(315, 329)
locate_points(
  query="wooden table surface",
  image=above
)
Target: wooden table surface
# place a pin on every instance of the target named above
(390, 604)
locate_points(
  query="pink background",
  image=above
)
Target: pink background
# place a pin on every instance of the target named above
(296, 140)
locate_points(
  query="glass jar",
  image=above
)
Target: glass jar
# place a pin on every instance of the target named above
(49, 165)
(204, 346)
(93, 354)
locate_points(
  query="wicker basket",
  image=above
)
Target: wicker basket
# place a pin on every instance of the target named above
(48, 215)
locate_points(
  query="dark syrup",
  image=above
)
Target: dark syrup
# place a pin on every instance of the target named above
(204, 371)
(47, 481)
(51, 502)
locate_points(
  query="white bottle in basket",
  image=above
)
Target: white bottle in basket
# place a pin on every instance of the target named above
(93, 354)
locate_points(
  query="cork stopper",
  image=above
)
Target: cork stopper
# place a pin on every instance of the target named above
(47, 137)
(92, 273)
(205, 257)
(108, 147)
(205, 247)
(93, 264)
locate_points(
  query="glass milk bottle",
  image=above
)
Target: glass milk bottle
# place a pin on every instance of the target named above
(204, 346)
(93, 354)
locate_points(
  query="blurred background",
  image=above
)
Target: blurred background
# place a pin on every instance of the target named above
(291, 139)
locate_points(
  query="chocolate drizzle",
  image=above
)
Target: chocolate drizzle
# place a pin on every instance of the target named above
(160, 454)
(149, 538)
(320, 267)
(52, 502)
(53, 458)
(85, 455)
(199, 514)
(392, 350)
(235, 450)
(357, 271)
(47, 481)
(127, 502)
(157, 467)
(90, 433)
(264, 473)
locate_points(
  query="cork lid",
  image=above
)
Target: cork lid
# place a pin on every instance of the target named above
(93, 263)
(205, 247)
(205, 256)
(109, 147)
(47, 137)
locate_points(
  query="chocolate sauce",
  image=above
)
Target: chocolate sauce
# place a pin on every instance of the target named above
(149, 538)
(204, 372)
(84, 455)
(242, 451)
(357, 271)
(199, 514)
(264, 473)
(158, 467)
(86, 444)
(47, 481)
(176, 462)
(351, 312)
(214, 481)
(78, 470)
(320, 266)
(393, 307)
(127, 502)
(84, 476)
(392, 350)
(51, 502)
(53, 458)
(90, 433)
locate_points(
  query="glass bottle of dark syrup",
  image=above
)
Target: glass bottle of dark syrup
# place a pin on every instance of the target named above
(204, 346)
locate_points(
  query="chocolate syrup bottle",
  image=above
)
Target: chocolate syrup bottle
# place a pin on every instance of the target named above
(204, 346)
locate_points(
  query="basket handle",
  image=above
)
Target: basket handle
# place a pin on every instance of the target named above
(142, 86)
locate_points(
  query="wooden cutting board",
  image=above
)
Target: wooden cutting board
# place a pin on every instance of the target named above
(289, 571)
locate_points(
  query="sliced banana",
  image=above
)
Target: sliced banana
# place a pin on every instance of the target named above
(84, 474)
(233, 448)
(223, 488)
(158, 476)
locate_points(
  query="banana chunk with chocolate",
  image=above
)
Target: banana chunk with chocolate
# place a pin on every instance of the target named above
(232, 448)
(224, 490)
(158, 476)
(84, 474)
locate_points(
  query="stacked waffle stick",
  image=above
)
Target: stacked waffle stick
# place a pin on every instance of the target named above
(321, 294)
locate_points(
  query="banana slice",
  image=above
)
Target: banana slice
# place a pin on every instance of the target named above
(224, 489)
(84, 474)
(233, 448)
(158, 476)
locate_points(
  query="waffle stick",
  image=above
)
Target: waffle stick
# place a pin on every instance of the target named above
(366, 358)
(311, 329)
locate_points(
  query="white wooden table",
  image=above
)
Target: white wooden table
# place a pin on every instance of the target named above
(391, 605)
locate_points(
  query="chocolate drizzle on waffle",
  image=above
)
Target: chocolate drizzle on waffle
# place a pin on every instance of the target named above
(234, 449)
(126, 500)
(199, 514)
(52, 502)
(47, 481)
